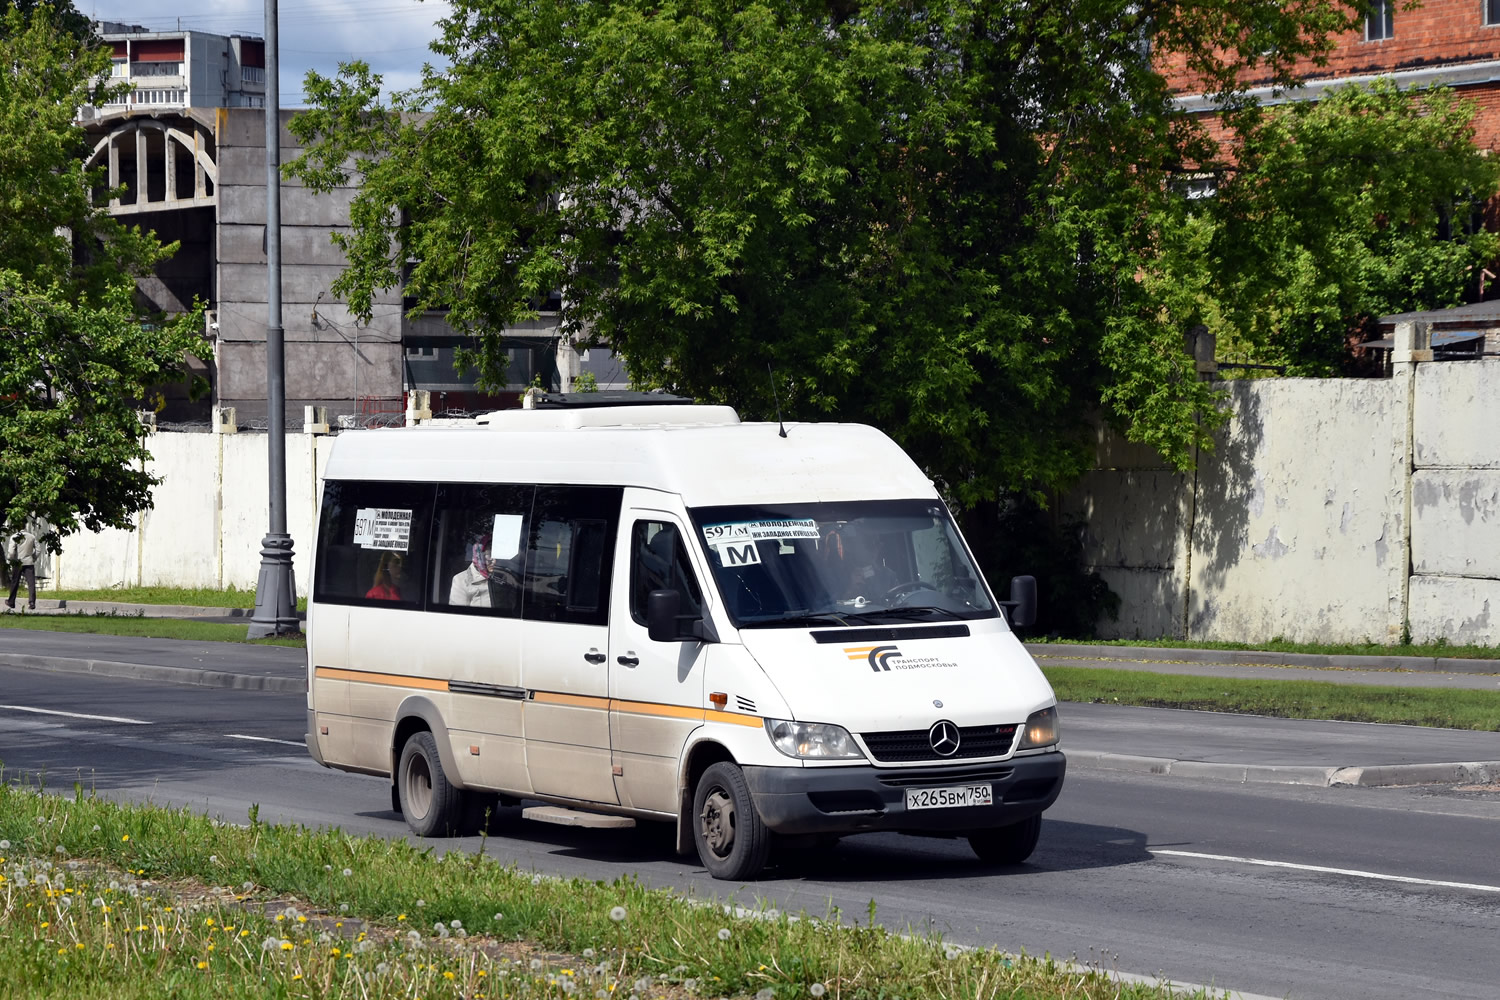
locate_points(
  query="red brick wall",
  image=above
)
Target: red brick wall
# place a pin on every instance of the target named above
(1440, 32)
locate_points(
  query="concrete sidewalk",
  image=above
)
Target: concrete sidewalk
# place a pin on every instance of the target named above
(1211, 745)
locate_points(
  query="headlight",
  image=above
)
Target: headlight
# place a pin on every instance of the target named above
(1041, 730)
(813, 740)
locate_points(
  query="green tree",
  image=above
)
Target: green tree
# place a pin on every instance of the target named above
(936, 217)
(76, 354)
(1337, 212)
(64, 14)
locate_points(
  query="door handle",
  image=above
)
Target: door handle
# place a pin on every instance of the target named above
(594, 656)
(628, 660)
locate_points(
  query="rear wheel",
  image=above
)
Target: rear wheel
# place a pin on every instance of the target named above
(433, 807)
(732, 841)
(1007, 845)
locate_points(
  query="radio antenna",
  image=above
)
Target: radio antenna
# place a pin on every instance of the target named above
(772, 376)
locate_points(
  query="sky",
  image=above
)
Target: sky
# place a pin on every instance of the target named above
(391, 35)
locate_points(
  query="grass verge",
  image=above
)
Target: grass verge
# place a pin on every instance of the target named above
(88, 908)
(153, 628)
(1442, 707)
(195, 597)
(1439, 648)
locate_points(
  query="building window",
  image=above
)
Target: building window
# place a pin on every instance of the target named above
(117, 68)
(158, 97)
(155, 69)
(1380, 22)
(1492, 11)
(253, 74)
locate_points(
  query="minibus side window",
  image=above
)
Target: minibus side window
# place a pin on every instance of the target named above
(372, 543)
(477, 562)
(658, 561)
(569, 554)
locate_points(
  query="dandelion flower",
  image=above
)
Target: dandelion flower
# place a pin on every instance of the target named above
(723, 933)
(286, 945)
(343, 907)
(766, 994)
(61, 849)
(499, 916)
(536, 964)
(536, 880)
(588, 953)
(4, 845)
(817, 989)
(617, 914)
(124, 838)
(691, 985)
(96, 827)
(951, 953)
(202, 965)
(421, 903)
(97, 901)
(382, 968)
(328, 868)
(348, 872)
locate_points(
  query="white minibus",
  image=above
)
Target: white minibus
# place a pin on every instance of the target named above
(623, 607)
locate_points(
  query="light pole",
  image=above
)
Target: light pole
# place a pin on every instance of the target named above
(275, 590)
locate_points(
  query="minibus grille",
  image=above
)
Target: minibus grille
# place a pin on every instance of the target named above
(915, 744)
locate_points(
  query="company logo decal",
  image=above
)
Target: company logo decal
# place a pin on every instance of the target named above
(887, 658)
(944, 738)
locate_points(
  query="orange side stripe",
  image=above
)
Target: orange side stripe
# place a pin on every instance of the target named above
(858, 649)
(650, 708)
(576, 700)
(754, 722)
(390, 680)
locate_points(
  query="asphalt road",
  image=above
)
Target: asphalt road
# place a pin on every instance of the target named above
(1145, 874)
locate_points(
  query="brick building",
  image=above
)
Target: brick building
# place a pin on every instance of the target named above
(1444, 42)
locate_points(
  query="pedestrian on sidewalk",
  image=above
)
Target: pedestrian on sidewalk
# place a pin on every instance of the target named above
(20, 556)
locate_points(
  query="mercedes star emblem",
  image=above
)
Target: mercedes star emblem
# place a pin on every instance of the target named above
(936, 703)
(944, 738)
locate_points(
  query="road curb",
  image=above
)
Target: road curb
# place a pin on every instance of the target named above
(1384, 775)
(156, 672)
(1102, 655)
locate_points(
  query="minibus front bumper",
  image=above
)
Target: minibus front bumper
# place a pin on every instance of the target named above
(822, 800)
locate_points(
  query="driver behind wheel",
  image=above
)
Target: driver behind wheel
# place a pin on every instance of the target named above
(855, 565)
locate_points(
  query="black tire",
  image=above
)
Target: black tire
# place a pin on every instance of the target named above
(732, 841)
(1007, 845)
(433, 807)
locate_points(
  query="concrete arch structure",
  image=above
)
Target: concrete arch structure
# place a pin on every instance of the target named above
(164, 152)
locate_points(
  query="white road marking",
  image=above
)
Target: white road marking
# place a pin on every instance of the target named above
(76, 715)
(1380, 876)
(264, 739)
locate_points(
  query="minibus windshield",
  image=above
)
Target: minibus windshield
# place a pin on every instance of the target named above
(848, 563)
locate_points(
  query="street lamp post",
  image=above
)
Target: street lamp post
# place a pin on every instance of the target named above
(276, 589)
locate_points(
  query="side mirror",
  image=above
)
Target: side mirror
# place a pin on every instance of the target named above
(1022, 603)
(661, 616)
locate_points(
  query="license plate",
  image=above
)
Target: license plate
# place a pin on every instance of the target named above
(953, 795)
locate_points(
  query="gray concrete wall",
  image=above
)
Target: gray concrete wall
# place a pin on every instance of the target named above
(1455, 503)
(1298, 517)
(323, 365)
(209, 517)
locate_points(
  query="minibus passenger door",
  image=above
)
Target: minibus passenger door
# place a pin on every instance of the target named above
(656, 688)
(565, 640)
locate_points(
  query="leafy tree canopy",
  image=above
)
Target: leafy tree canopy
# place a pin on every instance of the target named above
(944, 218)
(63, 13)
(1334, 213)
(75, 352)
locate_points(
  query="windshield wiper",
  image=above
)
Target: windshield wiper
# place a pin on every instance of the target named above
(911, 611)
(814, 619)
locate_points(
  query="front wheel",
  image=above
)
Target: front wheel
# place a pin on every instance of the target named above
(433, 807)
(732, 841)
(1007, 845)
